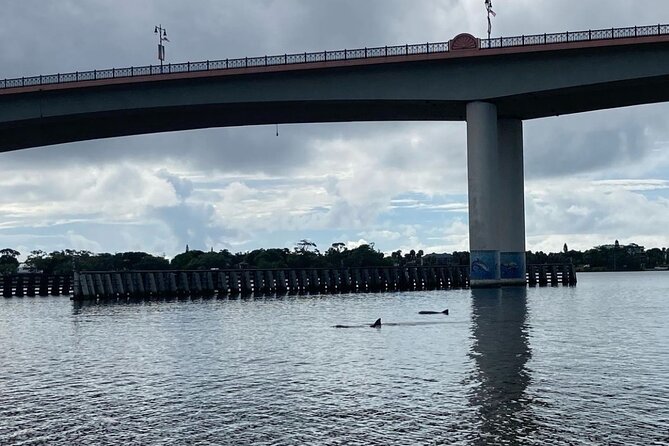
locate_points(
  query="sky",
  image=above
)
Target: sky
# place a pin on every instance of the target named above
(591, 178)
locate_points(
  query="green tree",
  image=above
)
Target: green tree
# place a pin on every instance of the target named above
(268, 258)
(9, 262)
(305, 245)
(186, 259)
(365, 255)
(151, 263)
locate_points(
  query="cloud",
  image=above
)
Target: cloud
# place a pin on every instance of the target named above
(590, 177)
(583, 213)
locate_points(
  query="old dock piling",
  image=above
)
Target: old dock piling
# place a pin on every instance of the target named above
(34, 284)
(265, 282)
(108, 285)
(553, 275)
(270, 282)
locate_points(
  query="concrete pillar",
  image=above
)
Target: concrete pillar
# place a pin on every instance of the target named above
(484, 193)
(511, 202)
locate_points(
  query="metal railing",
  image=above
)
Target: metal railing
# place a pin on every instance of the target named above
(577, 36)
(328, 56)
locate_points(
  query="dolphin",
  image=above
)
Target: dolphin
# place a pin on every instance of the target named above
(378, 323)
(434, 312)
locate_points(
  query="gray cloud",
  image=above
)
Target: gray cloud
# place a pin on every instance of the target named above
(593, 142)
(351, 172)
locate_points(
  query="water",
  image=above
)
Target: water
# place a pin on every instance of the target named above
(584, 365)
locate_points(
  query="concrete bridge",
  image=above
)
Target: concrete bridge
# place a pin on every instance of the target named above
(493, 84)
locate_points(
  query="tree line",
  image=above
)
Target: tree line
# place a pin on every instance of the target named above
(306, 254)
(614, 257)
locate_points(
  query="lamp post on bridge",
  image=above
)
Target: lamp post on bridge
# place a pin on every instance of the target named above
(488, 7)
(162, 37)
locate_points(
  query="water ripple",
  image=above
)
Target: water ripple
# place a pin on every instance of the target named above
(588, 365)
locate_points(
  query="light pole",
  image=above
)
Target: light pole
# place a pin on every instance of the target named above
(488, 7)
(162, 37)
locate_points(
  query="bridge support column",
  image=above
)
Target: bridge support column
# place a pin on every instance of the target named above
(496, 197)
(484, 191)
(511, 202)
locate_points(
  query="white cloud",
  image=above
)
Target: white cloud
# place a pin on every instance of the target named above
(633, 185)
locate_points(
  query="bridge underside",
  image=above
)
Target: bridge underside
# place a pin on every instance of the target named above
(522, 86)
(105, 124)
(56, 130)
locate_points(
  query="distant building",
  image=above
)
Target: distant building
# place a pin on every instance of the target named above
(631, 249)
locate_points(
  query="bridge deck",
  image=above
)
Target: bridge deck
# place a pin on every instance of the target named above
(341, 58)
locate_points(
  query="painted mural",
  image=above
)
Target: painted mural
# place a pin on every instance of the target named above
(484, 265)
(512, 265)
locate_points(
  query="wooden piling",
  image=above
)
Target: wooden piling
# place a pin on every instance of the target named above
(281, 286)
(209, 288)
(270, 286)
(19, 287)
(129, 284)
(160, 284)
(109, 287)
(83, 285)
(222, 283)
(139, 284)
(314, 282)
(118, 285)
(532, 275)
(543, 278)
(196, 290)
(151, 285)
(325, 281)
(234, 284)
(182, 285)
(259, 288)
(247, 284)
(30, 286)
(172, 284)
(43, 285)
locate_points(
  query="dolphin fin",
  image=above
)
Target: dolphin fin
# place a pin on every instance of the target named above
(376, 324)
(445, 311)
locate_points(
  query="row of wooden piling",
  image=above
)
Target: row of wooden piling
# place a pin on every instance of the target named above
(553, 275)
(256, 282)
(31, 285)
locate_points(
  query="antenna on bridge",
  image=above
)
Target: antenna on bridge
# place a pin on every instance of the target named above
(162, 37)
(488, 7)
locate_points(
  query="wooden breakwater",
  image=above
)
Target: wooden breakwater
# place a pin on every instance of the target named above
(266, 282)
(269, 282)
(257, 282)
(34, 284)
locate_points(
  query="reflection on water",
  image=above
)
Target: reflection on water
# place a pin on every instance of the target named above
(500, 351)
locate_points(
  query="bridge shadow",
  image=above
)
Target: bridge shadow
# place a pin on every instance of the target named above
(500, 377)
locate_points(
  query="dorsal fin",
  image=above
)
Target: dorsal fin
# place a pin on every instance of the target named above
(376, 324)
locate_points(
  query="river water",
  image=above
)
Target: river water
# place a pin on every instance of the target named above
(583, 365)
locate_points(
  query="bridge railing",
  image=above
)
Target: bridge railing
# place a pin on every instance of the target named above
(577, 36)
(328, 56)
